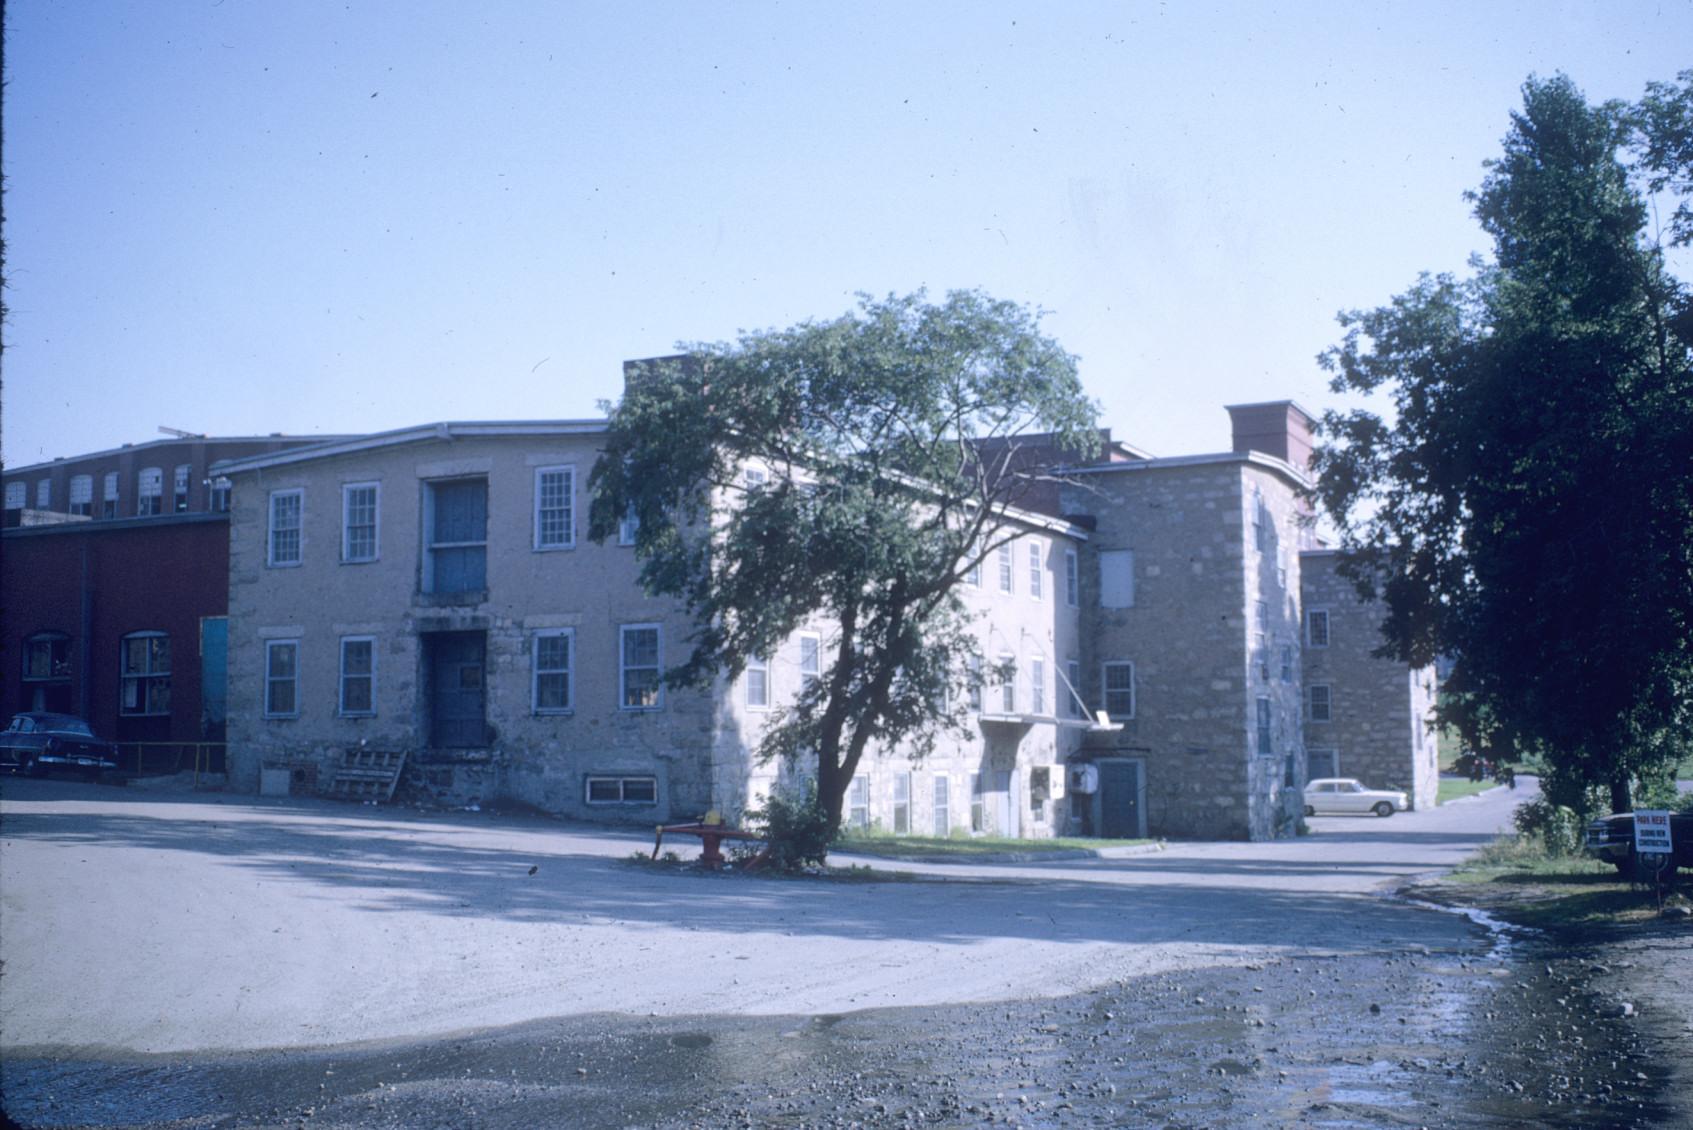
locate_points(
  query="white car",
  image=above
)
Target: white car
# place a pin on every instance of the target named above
(1348, 797)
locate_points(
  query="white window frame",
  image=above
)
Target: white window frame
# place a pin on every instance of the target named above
(810, 667)
(144, 678)
(645, 782)
(1106, 691)
(756, 682)
(1037, 685)
(17, 495)
(1117, 585)
(902, 803)
(1323, 712)
(1008, 684)
(628, 526)
(1073, 672)
(1072, 578)
(973, 571)
(44, 494)
(82, 495)
(272, 680)
(1007, 569)
(941, 809)
(858, 802)
(973, 691)
(179, 488)
(1265, 725)
(343, 677)
(1037, 569)
(543, 541)
(623, 667)
(1311, 618)
(111, 489)
(347, 492)
(537, 672)
(149, 492)
(298, 529)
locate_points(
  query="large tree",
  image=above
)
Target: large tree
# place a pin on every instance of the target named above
(845, 474)
(1527, 509)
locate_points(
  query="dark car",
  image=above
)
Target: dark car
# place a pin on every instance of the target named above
(35, 742)
(1611, 838)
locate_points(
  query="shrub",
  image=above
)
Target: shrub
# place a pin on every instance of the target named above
(1558, 827)
(798, 830)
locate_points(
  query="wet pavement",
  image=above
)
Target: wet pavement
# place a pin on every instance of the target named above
(1501, 1033)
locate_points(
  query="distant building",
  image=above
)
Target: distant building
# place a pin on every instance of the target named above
(115, 576)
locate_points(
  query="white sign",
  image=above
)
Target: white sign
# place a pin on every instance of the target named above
(1651, 831)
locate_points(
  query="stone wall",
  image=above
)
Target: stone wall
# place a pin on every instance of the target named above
(1380, 711)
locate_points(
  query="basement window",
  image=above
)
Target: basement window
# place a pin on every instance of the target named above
(622, 790)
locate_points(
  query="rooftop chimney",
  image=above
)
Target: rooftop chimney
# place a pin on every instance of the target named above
(1278, 427)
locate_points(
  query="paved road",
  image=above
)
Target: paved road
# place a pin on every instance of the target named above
(149, 921)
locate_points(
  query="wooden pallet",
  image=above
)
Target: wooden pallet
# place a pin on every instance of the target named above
(367, 774)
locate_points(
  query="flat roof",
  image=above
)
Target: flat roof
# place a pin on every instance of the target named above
(173, 441)
(421, 433)
(1172, 462)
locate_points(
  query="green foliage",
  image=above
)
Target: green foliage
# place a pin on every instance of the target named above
(1663, 141)
(877, 496)
(1529, 509)
(1559, 829)
(799, 831)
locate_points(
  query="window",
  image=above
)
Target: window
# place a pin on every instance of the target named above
(1117, 578)
(1008, 684)
(758, 683)
(551, 655)
(285, 513)
(978, 804)
(555, 507)
(755, 479)
(1321, 763)
(17, 493)
(973, 571)
(149, 491)
(179, 490)
(1037, 584)
(1073, 672)
(456, 521)
(47, 657)
(1005, 570)
(359, 509)
(1037, 686)
(1117, 682)
(282, 678)
(358, 675)
(621, 790)
(1263, 609)
(629, 527)
(109, 496)
(810, 646)
(1260, 521)
(858, 803)
(1317, 627)
(1072, 578)
(1287, 663)
(220, 495)
(902, 804)
(144, 662)
(943, 812)
(639, 686)
(82, 495)
(1266, 748)
(973, 692)
(44, 494)
(1320, 703)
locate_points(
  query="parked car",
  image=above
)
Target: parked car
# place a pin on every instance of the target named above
(36, 741)
(1346, 796)
(1611, 839)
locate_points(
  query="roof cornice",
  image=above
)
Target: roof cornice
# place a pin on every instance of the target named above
(443, 432)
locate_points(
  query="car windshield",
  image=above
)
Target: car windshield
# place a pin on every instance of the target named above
(21, 724)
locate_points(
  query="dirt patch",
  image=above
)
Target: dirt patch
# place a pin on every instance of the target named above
(1468, 1037)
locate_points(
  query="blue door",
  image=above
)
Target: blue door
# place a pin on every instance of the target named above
(1119, 800)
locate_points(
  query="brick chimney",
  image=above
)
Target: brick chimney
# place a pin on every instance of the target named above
(1277, 427)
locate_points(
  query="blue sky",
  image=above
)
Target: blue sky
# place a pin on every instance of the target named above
(235, 216)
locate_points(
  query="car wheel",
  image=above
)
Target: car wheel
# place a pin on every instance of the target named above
(1309, 811)
(1383, 808)
(28, 767)
(1653, 866)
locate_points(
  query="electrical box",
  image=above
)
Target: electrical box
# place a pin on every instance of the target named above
(1083, 778)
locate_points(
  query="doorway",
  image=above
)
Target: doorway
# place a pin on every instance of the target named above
(1122, 792)
(456, 689)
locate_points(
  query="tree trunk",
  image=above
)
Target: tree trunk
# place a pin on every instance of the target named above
(1621, 798)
